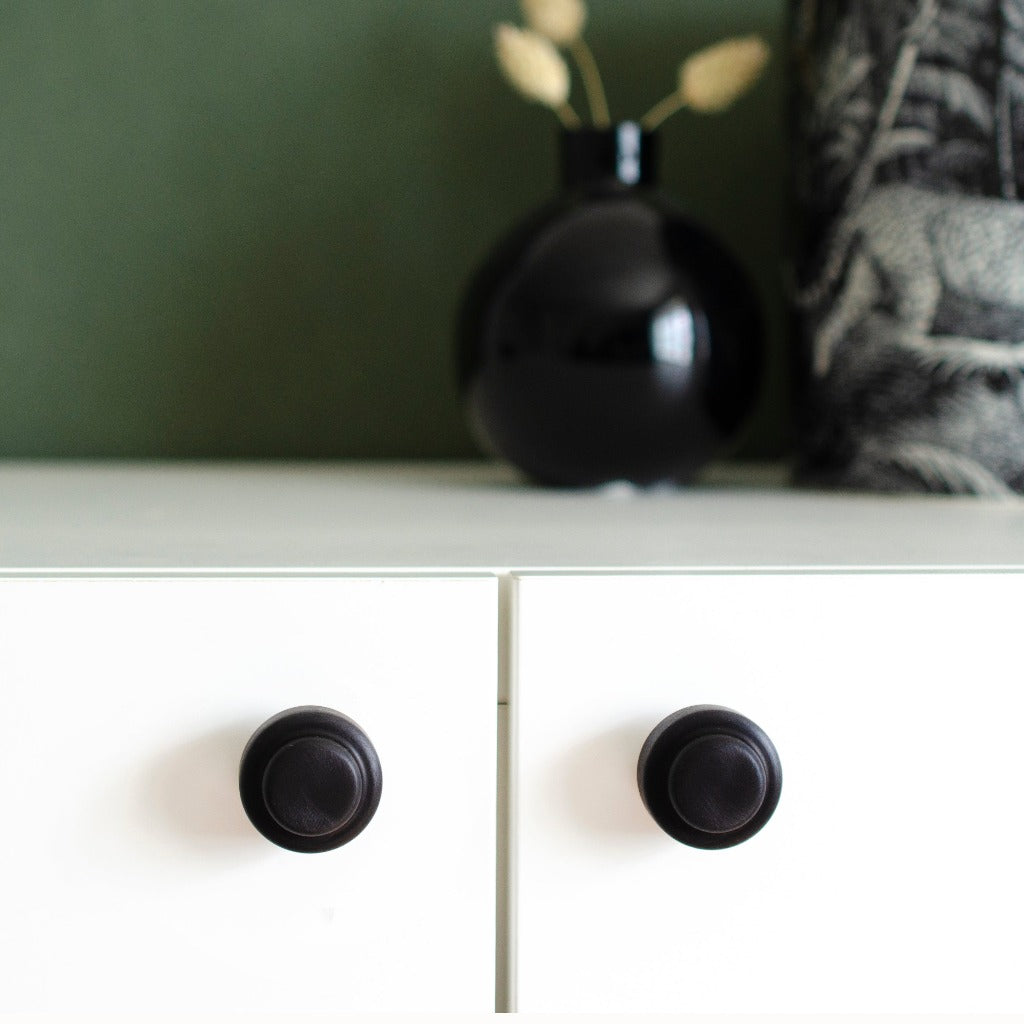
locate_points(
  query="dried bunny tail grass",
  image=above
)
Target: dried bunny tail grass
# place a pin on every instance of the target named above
(561, 21)
(535, 69)
(713, 78)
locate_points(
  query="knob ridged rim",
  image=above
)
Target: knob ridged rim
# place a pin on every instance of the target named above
(662, 751)
(288, 727)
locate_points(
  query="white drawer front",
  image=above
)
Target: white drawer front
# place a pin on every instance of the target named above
(129, 874)
(891, 876)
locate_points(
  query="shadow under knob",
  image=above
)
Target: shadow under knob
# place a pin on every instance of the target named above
(310, 779)
(709, 777)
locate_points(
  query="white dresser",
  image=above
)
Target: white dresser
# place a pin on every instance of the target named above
(509, 652)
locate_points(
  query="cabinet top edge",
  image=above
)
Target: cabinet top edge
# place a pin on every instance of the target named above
(469, 518)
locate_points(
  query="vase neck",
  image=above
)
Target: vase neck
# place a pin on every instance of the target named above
(622, 155)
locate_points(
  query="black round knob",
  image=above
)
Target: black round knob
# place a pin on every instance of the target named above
(709, 777)
(310, 779)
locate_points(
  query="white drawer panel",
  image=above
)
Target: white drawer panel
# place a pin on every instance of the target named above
(129, 874)
(891, 876)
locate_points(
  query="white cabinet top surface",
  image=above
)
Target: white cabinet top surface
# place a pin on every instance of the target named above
(456, 517)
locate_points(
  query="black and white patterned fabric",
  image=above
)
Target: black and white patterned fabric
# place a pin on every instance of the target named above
(910, 180)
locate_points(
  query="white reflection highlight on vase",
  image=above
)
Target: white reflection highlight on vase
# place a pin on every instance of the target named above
(674, 335)
(628, 138)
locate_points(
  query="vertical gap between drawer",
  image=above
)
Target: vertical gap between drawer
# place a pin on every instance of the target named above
(505, 909)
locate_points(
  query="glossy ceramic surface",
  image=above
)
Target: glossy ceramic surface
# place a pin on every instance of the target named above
(609, 337)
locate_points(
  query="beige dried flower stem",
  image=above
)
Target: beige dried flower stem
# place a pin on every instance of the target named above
(569, 118)
(562, 22)
(662, 111)
(712, 79)
(592, 84)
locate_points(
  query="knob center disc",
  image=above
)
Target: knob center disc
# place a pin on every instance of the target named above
(718, 783)
(312, 786)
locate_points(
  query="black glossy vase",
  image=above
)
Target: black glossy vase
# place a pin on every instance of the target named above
(609, 337)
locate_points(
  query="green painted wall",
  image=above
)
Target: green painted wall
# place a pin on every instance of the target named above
(241, 228)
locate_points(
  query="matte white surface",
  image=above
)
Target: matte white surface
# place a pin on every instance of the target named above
(130, 879)
(889, 878)
(449, 517)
